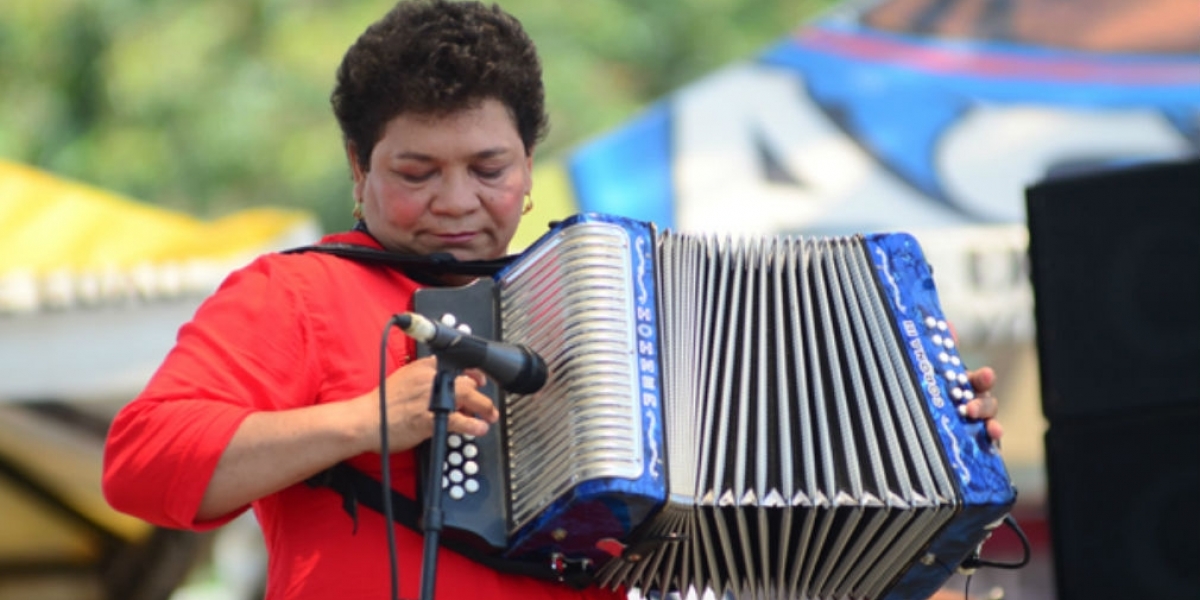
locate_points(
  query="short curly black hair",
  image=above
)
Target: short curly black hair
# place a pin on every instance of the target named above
(434, 57)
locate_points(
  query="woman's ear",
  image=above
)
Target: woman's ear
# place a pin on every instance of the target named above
(529, 170)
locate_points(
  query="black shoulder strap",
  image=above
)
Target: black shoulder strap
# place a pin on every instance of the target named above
(357, 488)
(441, 263)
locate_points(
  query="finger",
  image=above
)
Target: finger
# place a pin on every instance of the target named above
(466, 424)
(429, 362)
(983, 407)
(982, 379)
(471, 401)
(418, 373)
(464, 383)
(994, 429)
(476, 375)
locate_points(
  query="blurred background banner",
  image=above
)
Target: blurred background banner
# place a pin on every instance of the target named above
(93, 287)
(97, 284)
(149, 147)
(930, 117)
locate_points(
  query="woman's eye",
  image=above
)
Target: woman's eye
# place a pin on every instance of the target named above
(415, 177)
(489, 173)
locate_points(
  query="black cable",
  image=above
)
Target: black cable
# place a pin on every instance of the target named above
(967, 588)
(976, 562)
(385, 462)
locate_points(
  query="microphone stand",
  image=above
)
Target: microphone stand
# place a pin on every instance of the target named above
(441, 404)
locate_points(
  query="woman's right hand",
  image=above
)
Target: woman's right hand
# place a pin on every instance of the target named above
(410, 422)
(274, 449)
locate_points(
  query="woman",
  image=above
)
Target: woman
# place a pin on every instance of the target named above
(275, 379)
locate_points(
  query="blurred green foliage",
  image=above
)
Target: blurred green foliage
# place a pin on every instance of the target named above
(210, 106)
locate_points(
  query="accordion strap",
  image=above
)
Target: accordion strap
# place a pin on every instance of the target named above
(440, 263)
(359, 489)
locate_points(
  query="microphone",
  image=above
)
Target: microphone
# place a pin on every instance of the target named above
(514, 367)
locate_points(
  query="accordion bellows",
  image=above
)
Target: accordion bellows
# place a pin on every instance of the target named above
(775, 417)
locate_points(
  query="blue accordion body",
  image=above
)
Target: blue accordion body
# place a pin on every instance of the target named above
(654, 526)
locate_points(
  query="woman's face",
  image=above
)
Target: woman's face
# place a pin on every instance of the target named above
(453, 183)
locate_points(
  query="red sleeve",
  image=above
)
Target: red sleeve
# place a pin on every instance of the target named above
(246, 349)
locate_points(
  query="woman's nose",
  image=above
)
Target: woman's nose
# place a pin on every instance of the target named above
(456, 197)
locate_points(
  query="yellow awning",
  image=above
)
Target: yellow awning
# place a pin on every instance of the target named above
(62, 241)
(48, 223)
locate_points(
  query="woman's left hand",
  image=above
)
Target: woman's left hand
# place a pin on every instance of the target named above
(984, 406)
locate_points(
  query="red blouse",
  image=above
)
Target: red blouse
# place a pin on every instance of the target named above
(287, 331)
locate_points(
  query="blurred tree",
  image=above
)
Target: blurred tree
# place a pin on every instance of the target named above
(209, 106)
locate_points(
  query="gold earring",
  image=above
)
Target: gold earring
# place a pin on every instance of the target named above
(528, 204)
(357, 212)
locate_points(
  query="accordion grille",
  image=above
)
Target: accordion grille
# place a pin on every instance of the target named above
(573, 306)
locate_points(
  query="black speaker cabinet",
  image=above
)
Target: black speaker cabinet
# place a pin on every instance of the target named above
(1115, 259)
(1115, 263)
(1123, 499)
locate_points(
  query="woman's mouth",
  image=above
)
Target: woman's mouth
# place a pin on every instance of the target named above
(456, 238)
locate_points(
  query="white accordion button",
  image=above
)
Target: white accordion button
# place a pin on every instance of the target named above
(931, 322)
(454, 441)
(456, 476)
(969, 395)
(471, 451)
(448, 320)
(455, 459)
(937, 340)
(456, 492)
(942, 356)
(943, 326)
(471, 467)
(951, 375)
(956, 393)
(471, 486)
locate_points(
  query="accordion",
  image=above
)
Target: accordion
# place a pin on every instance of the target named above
(774, 417)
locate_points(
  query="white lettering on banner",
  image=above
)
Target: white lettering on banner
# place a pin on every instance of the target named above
(986, 159)
(724, 122)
